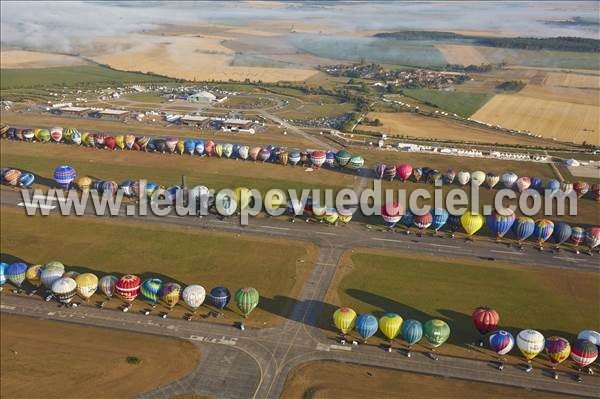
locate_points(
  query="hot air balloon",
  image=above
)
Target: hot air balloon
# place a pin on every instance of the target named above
(500, 224)
(243, 152)
(19, 134)
(110, 143)
(283, 158)
(536, 183)
(107, 285)
(128, 288)
(171, 143)
(235, 151)
(169, 293)
(199, 147)
(219, 150)
(254, 151)
(49, 275)
(64, 289)
(404, 171)
(581, 188)
(26, 180)
(71, 273)
(43, 135)
(412, 332)
(64, 175)
(449, 176)
(390, 172)
(478, 177)
(34, 274)
(523, 228)
(508, 179)
(344, 319)
(501, 342)
(366, 326)
(100, 139)
(264, 155)
(345, 214)
(422, 220)
(246, 300)
(436, 332)
(330, 159)
(595, 191)
(439, 218)
(12, 176)
(110, 188)
(29, 135)
(434, 176)
(583, 352)
(120, 141)
(129, 141)
(56, 133)
(180, 147)
(317, 158)
(485, 320)
(577, 237)
(294, 157)
(472, 222)
(243, 196)
(87, 284)
(543, 230)
(149, 290)
(16, 273)
(127, 187)
(463, 177)
(138, 187)
(390, 325)
(417, 174)
(193, 296)
(590, 335)
(557, 349)
(3, 267)
(562, 232)
(379, 171)
(55, 265)
(523, 183)
(552, 185)
(150, 188)
(391, 213)
(342, 157)
(356, 162)
(219, 297)
(566, 188)
(592, 237)
(530, 343)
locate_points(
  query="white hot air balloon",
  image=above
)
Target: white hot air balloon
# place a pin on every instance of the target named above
(64, 289)
(193, 296)
(478, 177)
(590, 335)
(243, 152)
(49, 276)
(566, 188)
(491, 179)
(530, 343)
(509, 179)
(463, 177)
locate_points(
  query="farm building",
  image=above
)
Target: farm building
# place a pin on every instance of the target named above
(114, 114)
(237, 124)
(73, 111)
(192, 120)
(202, 97)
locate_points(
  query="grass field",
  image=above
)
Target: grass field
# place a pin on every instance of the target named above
(152, 98)
(70, 361)
(326, 379)
(426, 287)
(245, 102)
(276, 268)
(71, 76)
(314, 111)
(460, 103)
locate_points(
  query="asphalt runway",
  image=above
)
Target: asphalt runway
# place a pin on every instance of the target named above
(256, 363)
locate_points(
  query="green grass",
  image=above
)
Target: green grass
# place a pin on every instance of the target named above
(312, 110)
(460, 103)
(149, 97)
(561, 302)
(71, 76)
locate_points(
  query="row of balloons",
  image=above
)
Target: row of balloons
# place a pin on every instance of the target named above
(509, 180)
(171, 144)
(583, 351)
(64, 285)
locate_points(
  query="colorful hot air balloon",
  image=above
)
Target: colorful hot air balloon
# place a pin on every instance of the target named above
(412, 331)
(244, 152)
(11, 177)
(595, 191)
(294, 157)
(472, 222)
(120, 141)
(342, 157)
(404, 171)
(64, 175)
(478, 177)
(129, 141)
(530, 343)
(577, 236)
(590, 335)
(110, 188)
(193, 296)
(449, 176)
(566, 188)
(417, 174)
(64, 289)
(500, 224)
(317, 158)
(536, 183)
(501, 342)
(439, 218)
(56, 134)
(149, 290)
(543, 230)
(246, 300)
(463, 177)
(3, 267)
(264, 155)
(434, 176)
(344, 319)
(485, 320)
(26, 180)
(219, 297)
(34, 275)
(49, 275)
(16, 273)
(436, 332)
(562, 232)
(107, 285)
(391, 213)
(523, 228)
(330, 159)
(366, 325)
(552, 185)
(390, 325)
(390, 172)
(87, 284)
(592, 237)
(169, 293)
(283, 158)
(491, 179)
(128, 288)
(138, 188)
(523, 183)
(422, 220)
(508, 179)
(557, 349)
(379, 171)
(581, 188)
(583, 352)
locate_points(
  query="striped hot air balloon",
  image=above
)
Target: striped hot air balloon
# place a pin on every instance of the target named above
(107, 285)
(219, 297)
(581, 188)
(15, 273)
(501, 223)
(390, 172)
(422, 220)
(592, 237)
(64, 289)
(577, 236)
(583, 352)
(366, 325)
(64, 176)
(391, 213)
(412, 331)
(501, 342)
(246, 299)
(543, 230)
(317, 158)
(49, 275)
(170, 293)
(283, 158)
(379, 171)
(508, 179)
(110, 188)
(149, 290)
(128, 288)
(557, 349)
(523, 228)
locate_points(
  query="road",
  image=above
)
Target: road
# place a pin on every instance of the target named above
(256, 363)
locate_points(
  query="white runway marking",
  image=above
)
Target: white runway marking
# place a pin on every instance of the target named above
(385, 239)
(566, 259)
(322, 232)
(442, 245)
(274, 228)
(340, 347)
(7, 307)
(504, 252)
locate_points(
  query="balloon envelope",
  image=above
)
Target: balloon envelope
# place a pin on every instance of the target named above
(436, 332)
(500, 223)
(64, 289)
(530, 343)
(590, 335)
(557, 349)
(390, 325)
(193, 296)
(485, 319)
(583, 352)
(150, 288)
(219, 297)
(128, 287)
(169, 293)
(543, 230)
(562, 232)
(107, 285)
(412, 331)
(523, 227)
(344, 319)
(501, 342)
(472, 222)
(366, 325)
(16, 273)
(246, 299)
(87, 284)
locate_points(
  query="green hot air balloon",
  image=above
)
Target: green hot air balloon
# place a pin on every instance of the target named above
(246, 300)
(436, 332)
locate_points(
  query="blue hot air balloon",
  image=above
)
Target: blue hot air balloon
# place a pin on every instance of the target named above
(523, 227)
(501, 342)
(543, 230)
(536, 183)
(440, 217)
(407, 219)
(3, 267)
(500, 224)
(219, 297)
(26, 180)
(366, 325)
(562, 232)
(453, 222)
(379, 170)
(235, 151)
(64, 175)
(189, 146)
(16, 273)
(199, 147)
(552, 185)
(412, 331)
(330, 158)
(150, 288)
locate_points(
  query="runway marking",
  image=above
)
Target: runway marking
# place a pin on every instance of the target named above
(442, 245)
(328, 234)
(566, 259)
(274, 228)
(504, 252)
(340, 347)
(385, 239)
(7, 307)
(41, 206)
(322, 347)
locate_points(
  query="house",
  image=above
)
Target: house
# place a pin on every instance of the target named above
(195, 120)
(203, 97)
(113, 114)
(73, 111)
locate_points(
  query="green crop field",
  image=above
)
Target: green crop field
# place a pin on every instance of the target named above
(276, 268)
(71, 76)
(460, 103)
(424, 287)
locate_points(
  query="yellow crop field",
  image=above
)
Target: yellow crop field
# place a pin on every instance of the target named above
(588, 80)
(462, 54)
(36, 59)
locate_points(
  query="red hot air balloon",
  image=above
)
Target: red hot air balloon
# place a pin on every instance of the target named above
(581, 188)
(110, 142)
(128, 287)
(209, 148)
(404, 171)
(485, 320)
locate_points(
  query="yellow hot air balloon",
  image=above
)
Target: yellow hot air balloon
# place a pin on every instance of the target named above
(472, 222)
(180, 147)
(275, 200)
(242, 196)
(87, 284)
(390, 325)
(33, 275)
(344, 319)
(120, 141)
(84, 183)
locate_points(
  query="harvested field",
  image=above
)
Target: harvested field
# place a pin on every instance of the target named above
(563, 94)
(461, 54)
(587, 80)
(63, 360)
(35, 59)
(552, 119)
